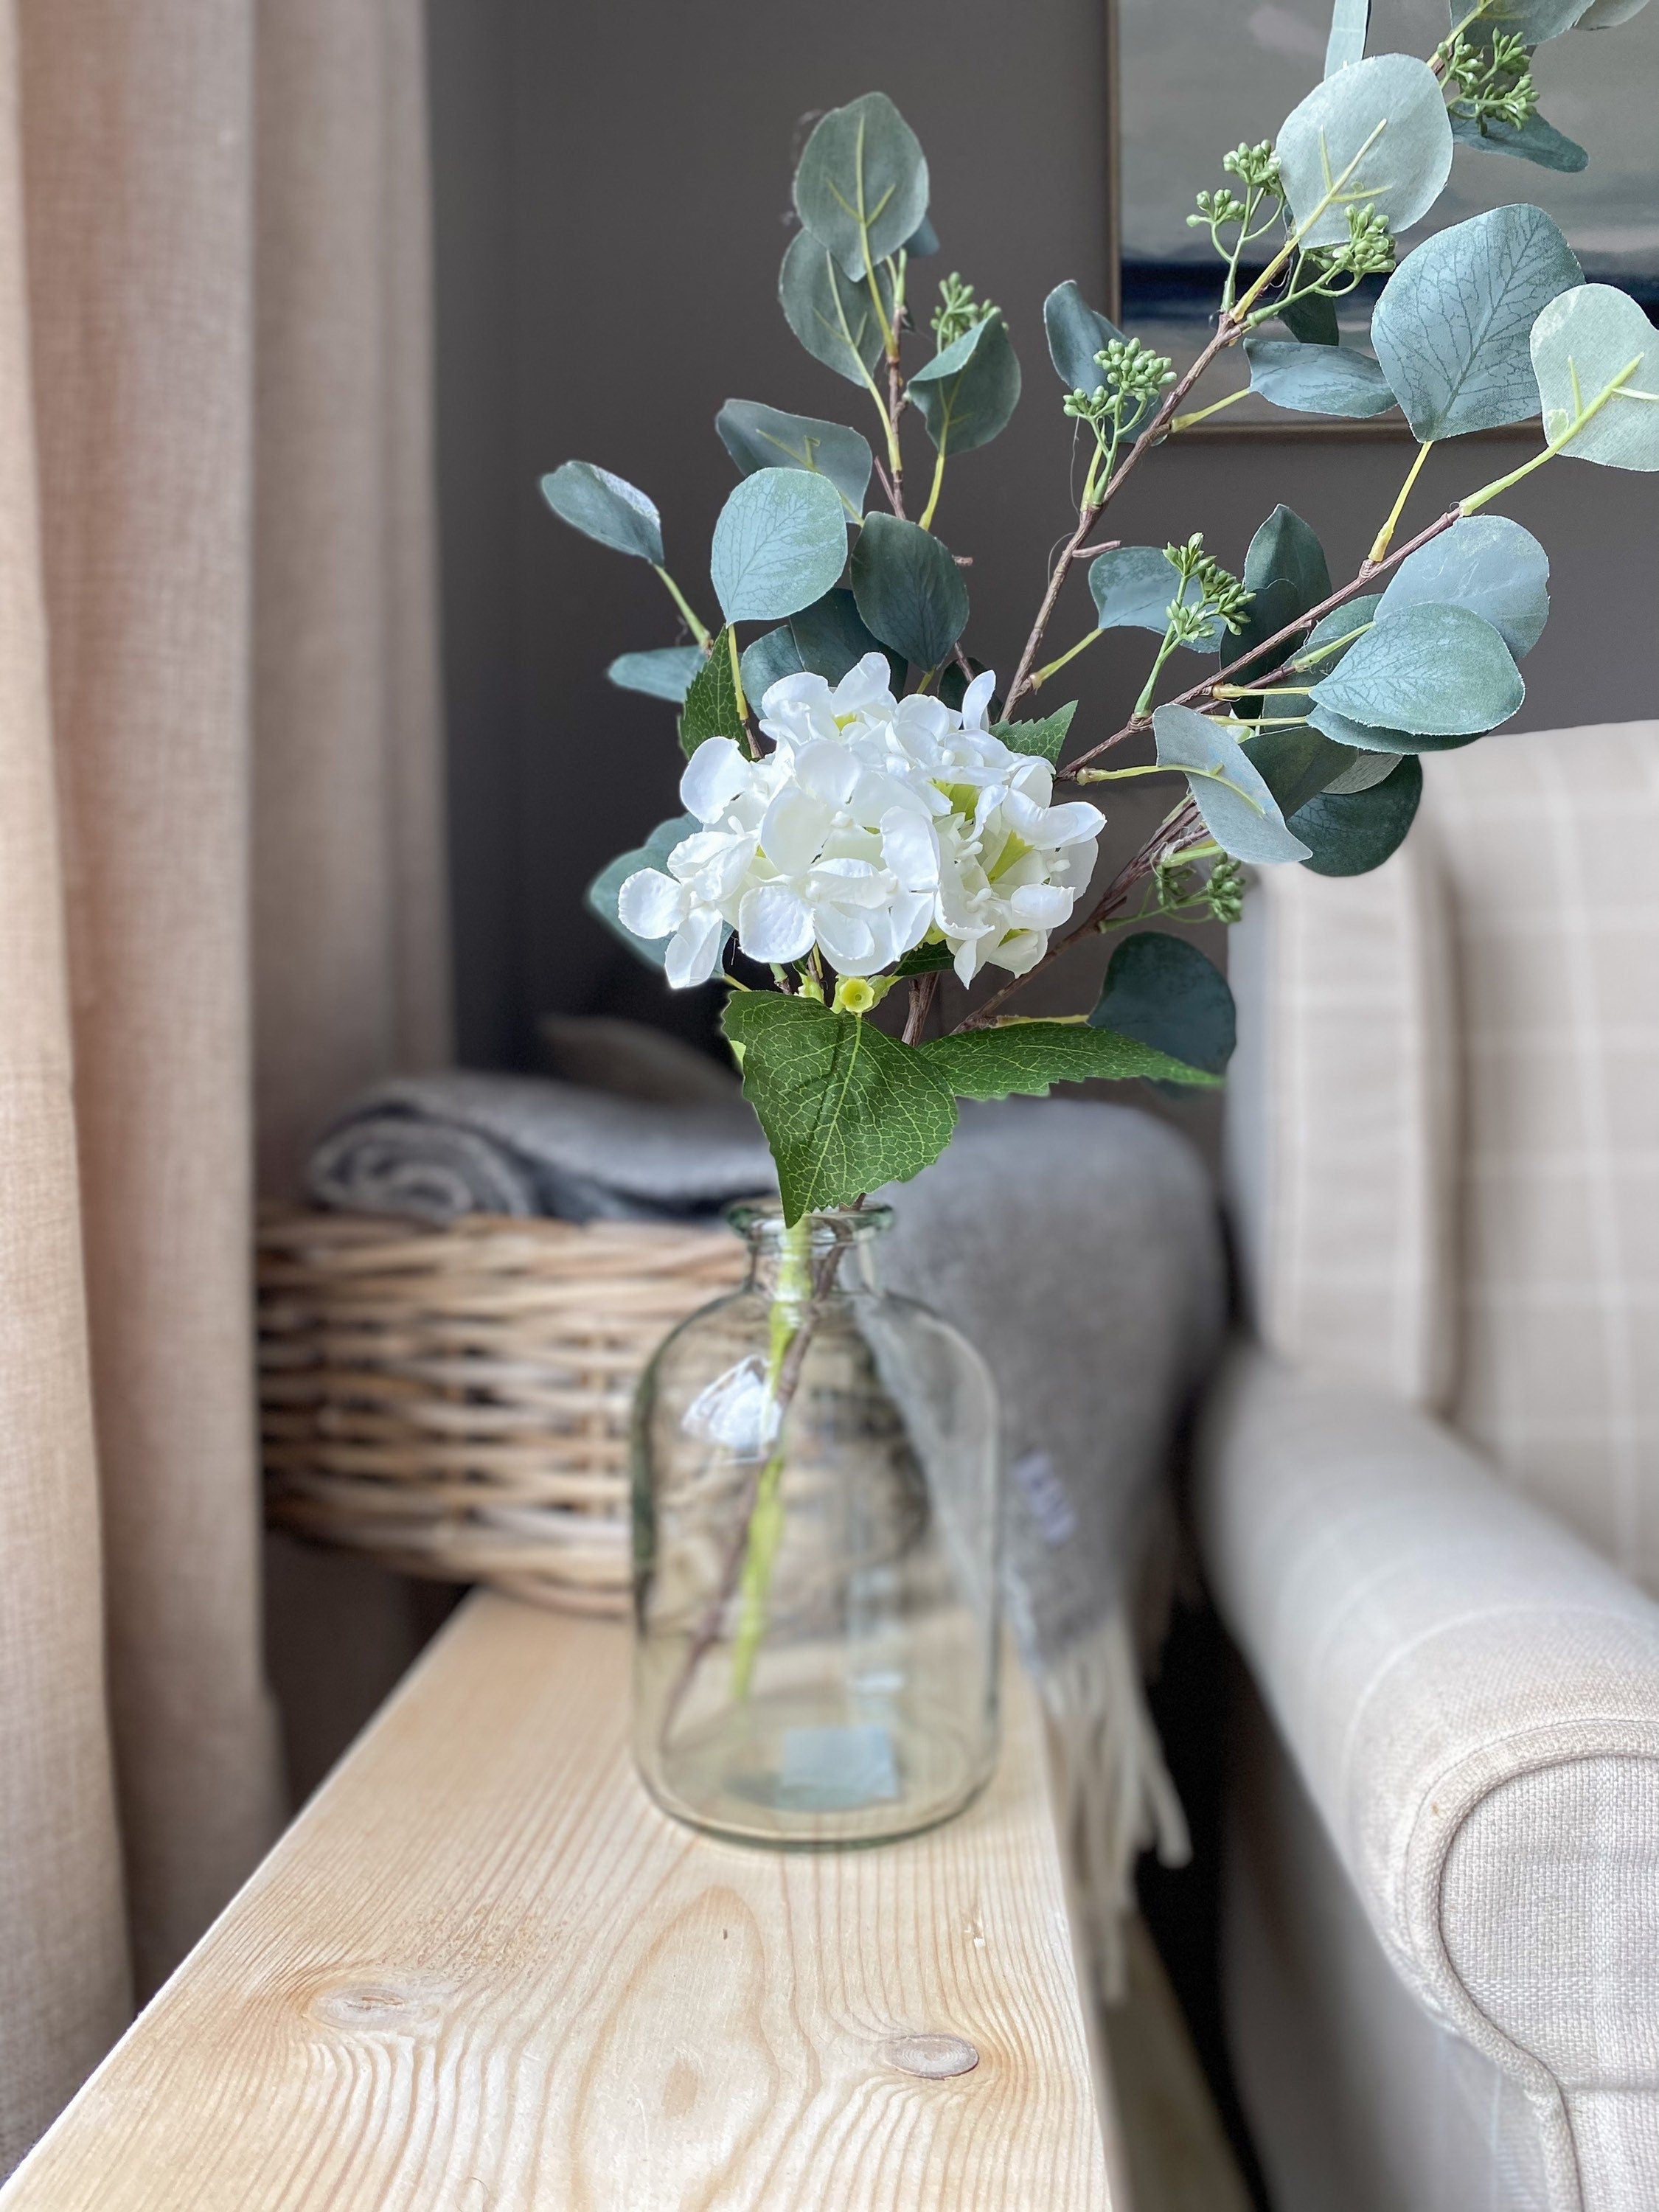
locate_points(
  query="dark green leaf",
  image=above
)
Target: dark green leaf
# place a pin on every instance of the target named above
(1239, 811)
(602, 893)
(1027, 1057)
(909, 591)
(711, 702)
(831, 314)
(1296, 764)
(967, 393)
(922, 241)
(1162, 992)
(773, 656)
(1344, 731)
(1046, 739)
(844, 1108)
(780, 543)
(663, 674)
(1432, 671)
(831, 638)
(1133, 588)
(1076, 333)
(1285, 570)
(1534, 141)
(606, 508)
(861, 188)
(1485, 563)
(1451, 328)
(760, 437)
(1317, 379)
(1350, 835)
(1313, 320)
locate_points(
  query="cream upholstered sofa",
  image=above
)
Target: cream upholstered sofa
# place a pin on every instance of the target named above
(1429, 1500)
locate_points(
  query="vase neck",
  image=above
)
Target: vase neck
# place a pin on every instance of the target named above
(818, 1256)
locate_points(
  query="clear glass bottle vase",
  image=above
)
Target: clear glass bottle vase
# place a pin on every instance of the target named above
(816, 1471)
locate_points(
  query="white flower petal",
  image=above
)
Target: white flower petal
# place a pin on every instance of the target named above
(694, 950)
(1041, 906)
(1019, 952)
(651, 904)
(713, 776)
(909, 846)
(1071, 824)
(966, 963)
(774, 924)
(829, 771)
(977, 701)
(792, 833)
(846, 940)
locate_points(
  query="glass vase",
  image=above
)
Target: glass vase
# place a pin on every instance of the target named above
(816, 1521)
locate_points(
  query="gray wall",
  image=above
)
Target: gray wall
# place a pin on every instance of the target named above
(611, 188)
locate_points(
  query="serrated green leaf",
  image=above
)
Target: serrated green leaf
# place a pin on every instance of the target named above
(1535, 140)
(1349, 835)
(909, 590)
(969, 393)
(1238, 810)
(1382, 121)
(861, 187)
(1162, 992)
(1317, 379)
(832, 316)
(1486, 563)
(1027, 1057)
(1451, 327)
(1046, 739)
(605, 507)
(779, 542)
(600, 898)
(845, 1109)
(760, 437)
(1430, 671)
(665, 673)
(1580, 342)
(711, 702)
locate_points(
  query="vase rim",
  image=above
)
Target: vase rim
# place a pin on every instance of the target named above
(760, 1221)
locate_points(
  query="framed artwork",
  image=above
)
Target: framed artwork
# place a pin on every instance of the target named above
(1187, 79)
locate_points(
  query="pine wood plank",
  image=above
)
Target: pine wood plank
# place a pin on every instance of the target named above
(482, 1973)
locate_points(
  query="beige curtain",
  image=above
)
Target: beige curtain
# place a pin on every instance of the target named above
(219, 850)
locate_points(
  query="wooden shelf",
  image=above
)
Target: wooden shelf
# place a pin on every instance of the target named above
(481, 1973)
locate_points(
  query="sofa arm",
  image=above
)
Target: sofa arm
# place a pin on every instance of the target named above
(1472, 1697)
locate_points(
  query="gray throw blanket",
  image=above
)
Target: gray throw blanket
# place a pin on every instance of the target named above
(1075, 1243)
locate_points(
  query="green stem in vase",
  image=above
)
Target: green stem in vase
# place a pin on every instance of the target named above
(789, 1303)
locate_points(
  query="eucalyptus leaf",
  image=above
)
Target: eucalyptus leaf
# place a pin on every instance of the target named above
(1296, 764)
(1534, 20)
(1363, 770)
(772, 656)
(922, 241)
(665, 673)
(1076, 333)
(1351, 835)
(1534, 141)
(1133, 588)
(1317, 379)
(606, 508)
(831, 638)
(832, 316)
(1162, 991)
(1350, 21)
(1427, 670)
(1239, 811)
(1486, 563)
(711, 700)
(760, 437)
(1312, 319)
(603, 892)
(1286, 573)
(1596, 333)
(861, 187)
(1045, 738)
(1603, 15)
(780, 543)
(1028, 1057)
(1380, 743)
(1384, 120)
(967, 394)
(1451, 327)
(1341, 622)
(845, 1109)
(909, 590)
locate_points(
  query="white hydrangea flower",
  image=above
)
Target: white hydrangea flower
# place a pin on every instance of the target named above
(873, 823)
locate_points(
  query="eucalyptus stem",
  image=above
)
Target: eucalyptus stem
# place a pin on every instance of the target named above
(699, 630)
(1384, 538)
(927, 521)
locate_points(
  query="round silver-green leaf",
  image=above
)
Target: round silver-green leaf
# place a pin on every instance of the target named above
(1534, 20)
(664, 673)
(1379, 127)
(861, 188)
(1533, 140)
(1134, 587)
(968, 393)
(1354, 832)
(1317, 379)
(760, 437)
(1239, 811)
(1486, 563)
(780, 543)
(605, 507)
(1583, 342)
(1428, 671)
(1451, 328)
(833, 317)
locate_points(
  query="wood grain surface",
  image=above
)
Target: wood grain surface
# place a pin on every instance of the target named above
(482, 1973)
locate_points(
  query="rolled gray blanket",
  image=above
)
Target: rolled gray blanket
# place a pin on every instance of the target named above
(433, 1147)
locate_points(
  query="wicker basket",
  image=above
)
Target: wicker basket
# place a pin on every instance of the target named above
(456, 1401)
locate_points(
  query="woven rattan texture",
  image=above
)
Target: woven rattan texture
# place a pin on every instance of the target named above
(455, 1401)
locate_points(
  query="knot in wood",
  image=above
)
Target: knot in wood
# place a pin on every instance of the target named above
(393, 2007)
(935, 2058)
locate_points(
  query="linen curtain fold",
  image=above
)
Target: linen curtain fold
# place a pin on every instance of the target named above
(220, 848)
